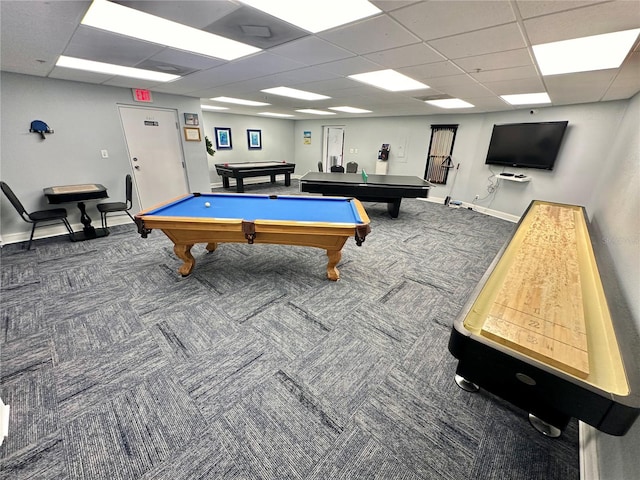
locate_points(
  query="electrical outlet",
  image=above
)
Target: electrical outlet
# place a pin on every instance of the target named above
(104, 153)
(477, 197)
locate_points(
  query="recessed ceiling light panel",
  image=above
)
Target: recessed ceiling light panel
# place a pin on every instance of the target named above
(450, 103)
(315, 112)
(316, 15)
(110, 69)
(389, 80)
(527, 98)
(293, 93)
(597, 52)
(239, 101)
(212, 107)
(134, 23)
(347, 109)
(272, 114)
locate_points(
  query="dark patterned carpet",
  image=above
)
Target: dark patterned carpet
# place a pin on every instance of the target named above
(256, 366)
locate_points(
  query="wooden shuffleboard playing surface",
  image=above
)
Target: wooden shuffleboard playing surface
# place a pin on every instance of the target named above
(538, 309)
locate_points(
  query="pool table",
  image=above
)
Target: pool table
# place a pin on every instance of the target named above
(214, 218)
(390, 189)
(253, 169)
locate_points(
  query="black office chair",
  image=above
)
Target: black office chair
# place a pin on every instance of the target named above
(337, 168)
(113, 207)
(320, 166)
(36, 217)
(352, 167)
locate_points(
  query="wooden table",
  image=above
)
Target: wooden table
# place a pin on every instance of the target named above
(79, 193)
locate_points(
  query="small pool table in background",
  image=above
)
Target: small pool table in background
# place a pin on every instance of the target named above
(254, 169)
(321, 222)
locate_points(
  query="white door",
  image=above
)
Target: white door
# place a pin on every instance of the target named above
(333, 147)
(155, 153)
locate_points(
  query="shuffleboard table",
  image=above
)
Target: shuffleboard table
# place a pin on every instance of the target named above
(214, 218)
(241, 170)
(543, 330)
(390, 189)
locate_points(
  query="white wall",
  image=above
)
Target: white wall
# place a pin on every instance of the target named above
(85, 120)
(277, 138)
(581, 159)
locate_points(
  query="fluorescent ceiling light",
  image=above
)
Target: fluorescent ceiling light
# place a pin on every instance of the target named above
(271, 114)
(389, 80)
(293, 93)
(212, 107)
(350, 109)
(134, 23)
(450, 103)
(315, 112)
(316, 15)
(597, 52)
(527, 98)
(110, 69)
(239, 101)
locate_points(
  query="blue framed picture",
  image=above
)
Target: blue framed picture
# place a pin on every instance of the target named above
(223, 138)
(254, 138)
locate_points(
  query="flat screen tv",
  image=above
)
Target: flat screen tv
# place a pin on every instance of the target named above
(527, 145)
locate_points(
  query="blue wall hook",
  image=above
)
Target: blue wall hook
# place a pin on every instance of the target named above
(38, 126)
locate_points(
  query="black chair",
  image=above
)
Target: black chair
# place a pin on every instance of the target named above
(320, 166)
(36, 217)
(352, 167)
(337, 168)
(113, 207)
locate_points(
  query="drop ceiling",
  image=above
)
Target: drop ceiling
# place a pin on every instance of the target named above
(473, 50)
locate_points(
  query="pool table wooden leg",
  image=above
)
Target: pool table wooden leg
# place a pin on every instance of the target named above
(211, 246)
(334, 258)
(184, 253)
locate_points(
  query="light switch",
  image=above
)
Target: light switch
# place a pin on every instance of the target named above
(351, 150)
(104, 153)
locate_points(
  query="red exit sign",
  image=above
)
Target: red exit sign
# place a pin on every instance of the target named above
(142, 95)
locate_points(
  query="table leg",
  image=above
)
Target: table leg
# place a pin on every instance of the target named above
(273, 178)
(239, 185)
(225, 182)
(394, 208)
(184, 253)
(287, 179)
(89, 230)
(211, 246)
(334, 258)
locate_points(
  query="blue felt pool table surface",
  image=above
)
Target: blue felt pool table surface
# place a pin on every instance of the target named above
(261, 207)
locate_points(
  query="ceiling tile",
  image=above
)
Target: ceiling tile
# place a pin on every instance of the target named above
(351, 66)
(602, 18)
(512, 87)
(416, 54)
(495, 61)
(371, 35)
(581, 87)
(506, 74)
(529, 9)
(101, 46)
(425, 19)
(432, 70)
(311, 51)
(490, 40)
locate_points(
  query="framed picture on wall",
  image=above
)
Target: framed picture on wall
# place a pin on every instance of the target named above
(192, 134)
(254, 138)
(191, 119)
(223, 138)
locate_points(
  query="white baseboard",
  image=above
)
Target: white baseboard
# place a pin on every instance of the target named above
(58, 229)
(4, 421)
(588, 443)
(478, 208)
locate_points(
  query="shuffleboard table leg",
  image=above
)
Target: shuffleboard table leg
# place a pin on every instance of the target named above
(334, 258)
(184, 253)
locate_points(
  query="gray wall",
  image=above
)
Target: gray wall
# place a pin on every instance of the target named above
(277, 138)
(85, 120)
(598, 167)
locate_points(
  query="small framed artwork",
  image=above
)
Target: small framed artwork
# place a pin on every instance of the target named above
(254, 137)
(191, 119)
(192, 134)
(223, 138)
